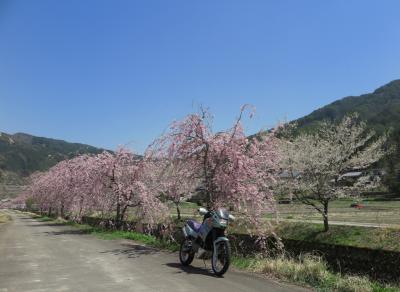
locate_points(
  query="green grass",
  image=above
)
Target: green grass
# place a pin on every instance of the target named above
(376, 211)
(187, 206)
(309, 270)
(45, 219)
(136, 236)
(368, 237)
(4, 217)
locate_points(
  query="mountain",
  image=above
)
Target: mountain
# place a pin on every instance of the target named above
(22, 154)
(381, 109)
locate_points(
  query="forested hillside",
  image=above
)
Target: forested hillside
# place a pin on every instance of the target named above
(22, 154)
(381, 109)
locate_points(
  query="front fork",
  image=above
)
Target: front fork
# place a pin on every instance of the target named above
(215, 247)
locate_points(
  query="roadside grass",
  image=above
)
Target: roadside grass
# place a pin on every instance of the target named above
(4, 217)
(309, 270)
(303, 270)
(110, 234)
(106, 234)
(367, 237)
(136, 236)
(44, 219)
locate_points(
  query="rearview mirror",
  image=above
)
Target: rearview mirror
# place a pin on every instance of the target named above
(203, 211)
(231, 217)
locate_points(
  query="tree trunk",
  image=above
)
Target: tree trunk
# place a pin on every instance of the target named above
(80, 212)
(326, 224)
(122, 215)
(62, 211)
(325, 215)
(178, 211)
(80, 208)
(118, 216)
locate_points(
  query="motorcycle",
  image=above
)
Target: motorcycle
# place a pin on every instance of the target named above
(207, 239)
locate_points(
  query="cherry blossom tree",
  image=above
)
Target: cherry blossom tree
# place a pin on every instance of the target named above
(107, 183)
(317, 161)
(234, 171)
(173, 178)
(85, 194)
(127, 179)
(40, 190)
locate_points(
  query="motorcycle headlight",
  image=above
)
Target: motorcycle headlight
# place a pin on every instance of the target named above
(223, 221)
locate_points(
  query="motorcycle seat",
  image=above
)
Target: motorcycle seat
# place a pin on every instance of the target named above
(194, 225)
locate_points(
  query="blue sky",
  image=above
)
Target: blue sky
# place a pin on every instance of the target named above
(108, 73)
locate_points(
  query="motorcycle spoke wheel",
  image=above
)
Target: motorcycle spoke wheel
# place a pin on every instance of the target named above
(220, 262)
(186, 254)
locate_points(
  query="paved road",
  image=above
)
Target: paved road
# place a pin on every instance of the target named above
(41, 256)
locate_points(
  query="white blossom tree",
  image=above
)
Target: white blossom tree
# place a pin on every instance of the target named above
(317, 161)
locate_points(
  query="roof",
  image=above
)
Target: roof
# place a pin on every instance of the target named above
(287, 174)
(352, 174)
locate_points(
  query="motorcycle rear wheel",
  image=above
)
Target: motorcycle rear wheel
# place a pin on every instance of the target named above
(186, 255)
(223, 259)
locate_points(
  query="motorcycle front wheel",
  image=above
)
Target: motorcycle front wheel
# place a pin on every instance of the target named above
(220, 262)
(186, 253)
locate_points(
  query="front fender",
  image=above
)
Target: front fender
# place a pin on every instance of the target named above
(219, 239)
